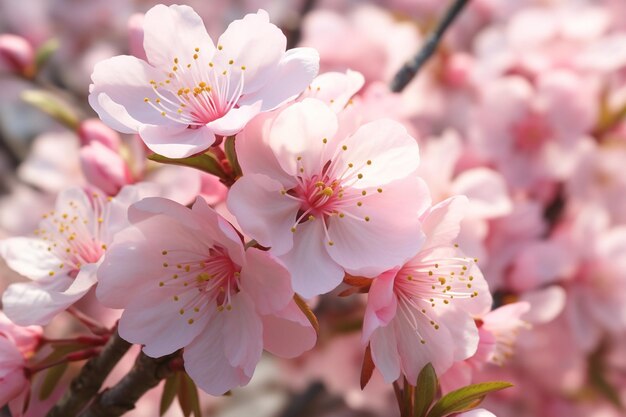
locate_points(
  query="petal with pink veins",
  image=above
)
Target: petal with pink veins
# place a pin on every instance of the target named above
(288, 333)
(176, 140)
(266, 281)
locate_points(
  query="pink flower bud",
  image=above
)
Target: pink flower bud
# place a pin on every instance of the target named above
(93, 130)
(457, 70)
(104, 168)
(16, 55)
(135, 35)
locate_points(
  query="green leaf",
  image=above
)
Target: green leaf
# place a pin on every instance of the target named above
(466, 398)
(45, 51)
(425, 390)
(188, 396)
(51, 381)
(231, 155)
(52, 106)
(169, 393)
(205, 162)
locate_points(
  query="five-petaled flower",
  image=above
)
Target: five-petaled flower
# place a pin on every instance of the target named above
(190, 89)
(200, 290)
(326, 203)
(62, 258)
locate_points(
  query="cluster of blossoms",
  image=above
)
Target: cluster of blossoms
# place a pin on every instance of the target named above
(258, 190)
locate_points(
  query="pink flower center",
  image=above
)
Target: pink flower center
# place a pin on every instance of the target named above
(425, 284)
(196, 90)
(204, 281)
(531, 133)
(73, 234)
(331, 192)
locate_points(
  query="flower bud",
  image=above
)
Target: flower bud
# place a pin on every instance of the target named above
(93, 130)
(16, 55)
(104, 168)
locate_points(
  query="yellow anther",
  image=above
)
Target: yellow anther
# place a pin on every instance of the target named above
(243, 67)
(175, 60)
(176, 298)
(380, 190)
(324, 140)
(359, 176)
(145, 100)
(163, 113)
(161, 284)
(181, 311)
(220, 47)
(293, 230)
(231, 62)
(341, 215)
(158, 100)
(195, 56)
(367, 218)
(229, 307)
(359, 204)
(369, 162)
(211, 64)
(350, 165)
(190, 321)
(103, 246)
(344, 147)
(202, 84)
(442, 280)
(327, 191)
(363, 192)
(164, 252)
(331, 243)
(197, 49)
(51, 273)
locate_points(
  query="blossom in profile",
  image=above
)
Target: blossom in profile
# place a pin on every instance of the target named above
(190, 89)
(62, 258)
(195, 283)
(17, 344)
(326, 203)
(423, 311)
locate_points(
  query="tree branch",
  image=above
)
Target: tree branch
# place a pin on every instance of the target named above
(145, 375)
(411, 68)
(86, 385)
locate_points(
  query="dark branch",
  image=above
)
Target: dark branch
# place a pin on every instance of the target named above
(86, 385)
(145, 375)
(411, 68)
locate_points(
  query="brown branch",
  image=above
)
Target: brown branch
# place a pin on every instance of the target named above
(145, 375)
(411, 68)
(86, 385)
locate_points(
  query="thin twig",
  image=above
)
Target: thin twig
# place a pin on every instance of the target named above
(411, 68)
(145, 375)
(85, 386)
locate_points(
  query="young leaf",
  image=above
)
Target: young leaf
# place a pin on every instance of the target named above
(368, 367)
(169, 393)
(204, 162)
(188, 396)
(53, 106)
(425, 390)
(466, 398)
(51, 381)
(231, 155)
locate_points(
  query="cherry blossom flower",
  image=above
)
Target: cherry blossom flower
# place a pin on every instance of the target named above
(62, 258)
(16, 345)
(324, 203)
(422, 312)
(190, 89)
(198, 285)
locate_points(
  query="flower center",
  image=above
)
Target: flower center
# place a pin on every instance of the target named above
(530, 133)
(203, 281)
(73, 234)
(196, 90)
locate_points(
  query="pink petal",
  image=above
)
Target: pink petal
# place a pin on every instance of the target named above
(442, 223)
(235, 120)
(381, 304)
(487, 193)
(288, 333)
(266, 281)
(175, 32)
(29, 257)
(368, 248)
(242, 333)
(125, 81)
(295, 71)
(384, 348)
(263, 212)
(546, 304)
(156, 313)
(255, 43)
(299, 132)
(254, 154)
(18, 299)
(313, 271)
(392, 152)
(539, 264)
(207, 365)
(335, 88)
(176, 141)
